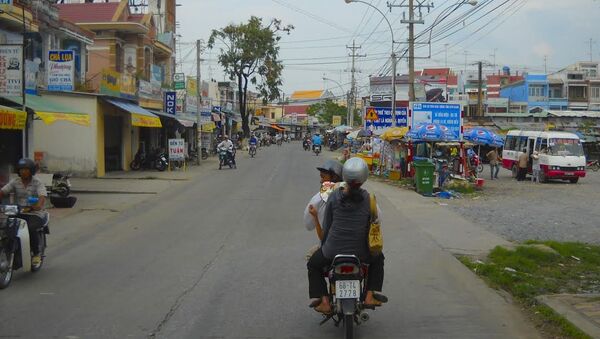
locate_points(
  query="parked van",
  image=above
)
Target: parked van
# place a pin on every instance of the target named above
(561, 153)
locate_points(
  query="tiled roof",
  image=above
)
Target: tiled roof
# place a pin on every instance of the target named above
(136, 17)
(88, 12)
(436, 71)
(307, 94)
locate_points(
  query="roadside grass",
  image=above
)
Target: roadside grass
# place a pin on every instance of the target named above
(540, 268)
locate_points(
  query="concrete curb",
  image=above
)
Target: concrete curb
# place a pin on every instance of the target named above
(561, 306)
(111, 192)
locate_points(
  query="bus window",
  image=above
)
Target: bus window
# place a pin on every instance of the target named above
(521, 144)
(509, 145)
(538, 143)
(544, 145)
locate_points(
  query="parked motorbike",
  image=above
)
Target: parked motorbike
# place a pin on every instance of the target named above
(594, 165)
(252, 150)
(475, 163)
(158, 160)
(317, 149)
(15, 252)
(204, 153)
(332, 145)
(226, 159)
(306, 145)
(279, 142)
(347, 291)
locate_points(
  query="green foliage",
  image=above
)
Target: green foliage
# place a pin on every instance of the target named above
(570, 268)
(250, 55)
(325, 111)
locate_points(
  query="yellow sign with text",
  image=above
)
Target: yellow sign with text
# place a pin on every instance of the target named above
(336, 120)
(49, 118)
(12, 119)
(140, 120)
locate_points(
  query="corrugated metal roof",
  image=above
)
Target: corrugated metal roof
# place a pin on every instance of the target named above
(88, 12)
(575, 114)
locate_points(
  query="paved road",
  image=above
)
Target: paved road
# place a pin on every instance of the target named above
(223, 257)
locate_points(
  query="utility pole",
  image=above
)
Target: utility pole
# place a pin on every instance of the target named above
(466, 54)
(446, 55)
(591, 41)
(352, 97)
(420, 4)
(545, 64)
(199, 92)
(493, 55)
(479, 90)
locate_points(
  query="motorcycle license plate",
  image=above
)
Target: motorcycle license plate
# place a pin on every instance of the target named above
(347, 289)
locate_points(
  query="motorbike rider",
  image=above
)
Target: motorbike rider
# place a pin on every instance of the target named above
(24, 187)
(346, 223)
(227, 145)
(253, 141)
(317, 140)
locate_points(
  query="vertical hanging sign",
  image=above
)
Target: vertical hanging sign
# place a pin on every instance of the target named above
(170, 102)
(11, 71)
(61, 70)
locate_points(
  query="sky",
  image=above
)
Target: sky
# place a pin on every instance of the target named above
(521, 34)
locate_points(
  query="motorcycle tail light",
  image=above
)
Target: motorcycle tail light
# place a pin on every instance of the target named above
(346, 269)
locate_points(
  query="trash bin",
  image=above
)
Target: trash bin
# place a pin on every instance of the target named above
(424, 177)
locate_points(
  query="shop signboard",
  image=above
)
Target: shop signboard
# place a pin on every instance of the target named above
(449, 115)
(31, 76)
(336, 120)
(148, 90)
(176, 149)
(192, 87)
(179, 80)
(110, 84)
(61, 70)
(191, 103)
(128, 90)
(170, 103)
(11, 73)
(380, 118)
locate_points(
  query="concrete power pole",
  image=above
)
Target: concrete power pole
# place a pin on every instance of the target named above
(352, 97)
(411, 38)
(479, 90)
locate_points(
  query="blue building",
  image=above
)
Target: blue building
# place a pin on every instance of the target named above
(531, 95)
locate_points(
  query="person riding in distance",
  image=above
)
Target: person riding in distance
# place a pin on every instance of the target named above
(227, 145)
(24, 187)
(317, 140)
(346, 225)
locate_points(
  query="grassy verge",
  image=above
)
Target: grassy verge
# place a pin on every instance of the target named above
(539, 268)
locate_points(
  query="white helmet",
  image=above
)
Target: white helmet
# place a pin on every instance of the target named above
(355, 171)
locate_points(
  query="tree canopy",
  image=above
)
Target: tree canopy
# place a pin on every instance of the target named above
(249, 54)
(324, 111)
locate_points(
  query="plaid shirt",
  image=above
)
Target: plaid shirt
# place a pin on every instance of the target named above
(35, 189)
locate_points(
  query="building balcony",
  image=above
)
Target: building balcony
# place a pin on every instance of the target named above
(551, 100)
(578, 99)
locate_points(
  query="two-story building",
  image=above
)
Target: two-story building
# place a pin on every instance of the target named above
(528, 95)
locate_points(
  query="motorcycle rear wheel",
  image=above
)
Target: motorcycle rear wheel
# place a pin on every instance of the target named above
(161, 166)
(6, 277)
(62, 190)
(134, 165)
(349, 326)
(595, 167)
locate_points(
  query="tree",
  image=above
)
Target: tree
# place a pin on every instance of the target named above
(324, 111)
(250, 55)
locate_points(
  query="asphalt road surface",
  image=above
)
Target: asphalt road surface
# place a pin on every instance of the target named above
(223, 257)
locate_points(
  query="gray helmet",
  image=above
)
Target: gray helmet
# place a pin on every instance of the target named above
(27, 163)
(332, 166)
(356, 171)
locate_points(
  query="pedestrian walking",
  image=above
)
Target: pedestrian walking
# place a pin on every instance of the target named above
(523, 162)
(535, 167)
(494, 159)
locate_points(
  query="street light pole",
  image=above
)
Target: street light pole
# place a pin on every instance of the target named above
(393, 58)
(348, 114)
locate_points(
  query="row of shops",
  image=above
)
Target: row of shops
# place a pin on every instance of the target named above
(86, 134)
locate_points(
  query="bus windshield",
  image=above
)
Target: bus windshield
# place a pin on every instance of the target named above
(565, 147)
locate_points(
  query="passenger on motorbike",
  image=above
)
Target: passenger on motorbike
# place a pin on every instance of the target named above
(253, 140)
(346, 224)
(317, 140)
(330, 173)
(24, 187)
(227, 145)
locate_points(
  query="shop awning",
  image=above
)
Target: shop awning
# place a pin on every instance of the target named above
(181, 120)
(51, 112)
(275, 127)
(139, 116)
(12, 118)
(186, 123)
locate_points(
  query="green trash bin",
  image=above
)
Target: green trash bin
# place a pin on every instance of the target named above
(424, 177)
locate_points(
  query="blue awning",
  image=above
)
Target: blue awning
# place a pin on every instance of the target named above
(130, 107)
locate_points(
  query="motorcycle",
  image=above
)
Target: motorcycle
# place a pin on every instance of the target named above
(60, 185)
(15, 252)
(347, 291)
(252, 150)
(306, 145)
(157, 161)
(332, 145)
(317, 149)
(475, 163)
(203, 153)
(594, 165)
(226, 159)
(279, 142)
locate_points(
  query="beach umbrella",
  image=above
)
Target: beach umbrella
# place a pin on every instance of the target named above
(394, 133)
(480, 136)
(431, 132)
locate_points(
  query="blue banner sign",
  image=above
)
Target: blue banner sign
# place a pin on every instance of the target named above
(449, 115)
(170, 102)
(383, 119)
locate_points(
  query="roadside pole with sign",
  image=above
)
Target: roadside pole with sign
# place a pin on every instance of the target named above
(177, 153)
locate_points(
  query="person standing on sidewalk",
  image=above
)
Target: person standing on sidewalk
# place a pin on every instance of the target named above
(535, 167)
(523, 162)
(494, 159)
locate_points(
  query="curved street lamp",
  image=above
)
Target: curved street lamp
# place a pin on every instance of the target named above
(349, 114)
(393, 56)
(454, 8)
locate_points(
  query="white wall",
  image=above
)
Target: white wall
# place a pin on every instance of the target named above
(69, 147)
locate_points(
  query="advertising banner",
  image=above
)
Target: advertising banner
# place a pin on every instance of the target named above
(12, 119)
(61, 70)
(192, 87)
(128, 90)
(179, 80)
(170, 103)
(156, 76)
(449, 115)
(336, 120)
(31, 76)
(378, 119)
(176, 149)
(11, 72)
(110, 84)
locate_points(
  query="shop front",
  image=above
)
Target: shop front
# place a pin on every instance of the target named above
(12, 124)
